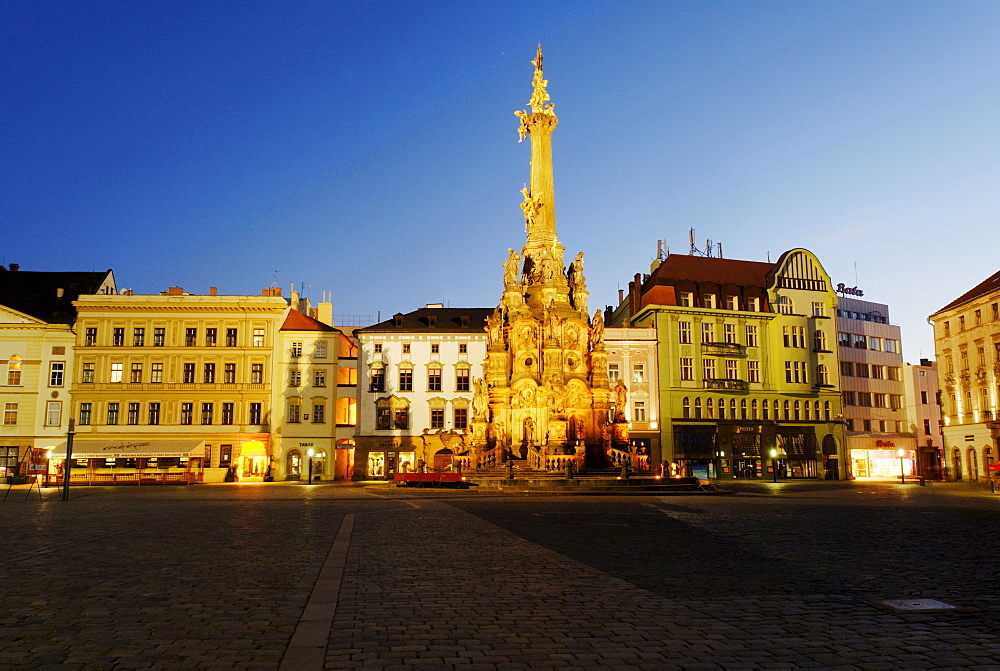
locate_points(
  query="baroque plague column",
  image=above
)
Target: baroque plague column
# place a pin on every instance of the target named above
(545, 390)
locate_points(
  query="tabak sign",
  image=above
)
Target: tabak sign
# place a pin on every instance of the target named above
(849, 291)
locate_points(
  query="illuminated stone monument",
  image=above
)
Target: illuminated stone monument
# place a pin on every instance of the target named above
(544, 395)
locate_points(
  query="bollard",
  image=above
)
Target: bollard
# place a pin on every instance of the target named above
(624, 470)
(510, 469)
(569, 470)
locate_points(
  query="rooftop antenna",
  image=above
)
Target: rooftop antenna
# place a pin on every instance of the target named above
(720, 250)
(694, 250)
(708, 248)
(274, 278)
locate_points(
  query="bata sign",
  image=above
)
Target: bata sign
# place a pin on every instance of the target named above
(849, 291)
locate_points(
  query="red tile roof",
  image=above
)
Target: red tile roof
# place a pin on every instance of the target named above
(296, 321)
(991, 283)
(678, 267)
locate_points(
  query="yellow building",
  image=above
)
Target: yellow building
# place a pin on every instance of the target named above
(175, 386)
(747, 365)
(967, 344)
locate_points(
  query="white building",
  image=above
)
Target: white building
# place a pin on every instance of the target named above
(415, 404)
(632, 360)
(923, 416)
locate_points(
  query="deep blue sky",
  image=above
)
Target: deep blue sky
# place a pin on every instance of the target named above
(370, 148)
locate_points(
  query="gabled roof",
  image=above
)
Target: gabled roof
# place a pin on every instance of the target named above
(296, 321)
(38, 294)
(434, 320)
(680, 267)
(989, 285)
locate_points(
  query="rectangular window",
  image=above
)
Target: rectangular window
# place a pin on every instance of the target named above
(53, 413)
(207, 410)
(256, 373)
(10, 414)
(188, 374)
(138, 337)
(433, 379)
(406, 379)
(159, 336)
(891, 345)
(461, 379)
(116, 372)
(819, 340)
(320, 349)
(732, 369)
(638, 372)
(319, 378)
(684, 332)
(402, 418)
(923, 397)
(613, 372)
(319, 413)
(437, 418)
(187, 413)
(878, 372)
(231, 336)
(229, 373)
(154, 414)
(686, 299)
(435, 348)
(225, 456)
(90, 336)
(859, 341)
(463, 348)
(118, 336)
(377, 347)
(156, 372)
(57, 370)
(190, 337)
(638, 411)
(753, 304)
(708, 301)
(927, 427)
(256, 413)
(294, 378)
(87, 375)
(896, 401)
(874, 344)
(296, 349)
(729, 333)
(865, 399)
(847, 368)
(687, 368)
(861, 370)
(136, 373)
(377, 380)
(751, 333)
(461, 417)
(753, 371)
(133, 414)
(844, 339)
(707, 332)
(211, 337)
(794, 336)
(819, 310)
(85, 410)
(708, 369)
(849, 398)
(258, 338)
(879, 401)
(112, 413)
(227, 413)
(795, 372)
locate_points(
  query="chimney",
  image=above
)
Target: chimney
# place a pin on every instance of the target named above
(175, 291)
(324, 313)
(621, 296)
(212, 291)
(59, 292)
(14, 267)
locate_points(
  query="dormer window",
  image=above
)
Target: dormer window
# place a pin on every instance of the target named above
(464, 321)
(432, 320)
(398, 319)
(708, 301)
(686, 299)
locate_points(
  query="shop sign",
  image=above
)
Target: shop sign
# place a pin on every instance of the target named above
(885, 443)
(305, 444)
(123, 447)
(849, 291)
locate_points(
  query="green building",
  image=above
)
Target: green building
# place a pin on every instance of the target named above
(747, 365)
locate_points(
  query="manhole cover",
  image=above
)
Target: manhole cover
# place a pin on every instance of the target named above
(917, 604)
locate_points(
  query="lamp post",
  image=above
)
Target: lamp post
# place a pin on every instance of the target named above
(310, 453)
(902, 475)
(774, 464)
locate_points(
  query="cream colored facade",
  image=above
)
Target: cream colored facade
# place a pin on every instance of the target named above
(177, 383)
(923, 416)
(34, 395)
(632, 360)
(967, 343)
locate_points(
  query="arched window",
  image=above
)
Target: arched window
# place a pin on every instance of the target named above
(807, 408)
(14, 371)
(710, 409)
(743, 409)
(753, 409)
(697, 408)
(787, 414)
(798, 411)
(819, 340)
(822, 375)
(686, 408)
(767, 412)
(826, 410)
(722, 408)
(732, 408)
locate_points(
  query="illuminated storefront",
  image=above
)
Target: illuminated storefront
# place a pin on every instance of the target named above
(884, 459)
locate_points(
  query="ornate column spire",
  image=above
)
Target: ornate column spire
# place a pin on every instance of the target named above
(539, 200)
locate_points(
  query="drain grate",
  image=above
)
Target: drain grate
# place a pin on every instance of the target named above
(917, 604)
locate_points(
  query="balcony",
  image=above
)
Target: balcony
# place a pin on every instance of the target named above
(723, 349)
(727, 385)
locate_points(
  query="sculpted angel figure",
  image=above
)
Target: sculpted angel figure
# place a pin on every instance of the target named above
(530, 206)
(510, 268)
(480, 400)
(596, 329)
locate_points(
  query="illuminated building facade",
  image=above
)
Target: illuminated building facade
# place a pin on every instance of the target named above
(967, 344)
(923, 416)
(747, 368)
(879, 440)
(175, 387)
(632, 361)
(36, 351)
(415, 401)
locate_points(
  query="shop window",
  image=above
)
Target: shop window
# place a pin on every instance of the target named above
(225, 456)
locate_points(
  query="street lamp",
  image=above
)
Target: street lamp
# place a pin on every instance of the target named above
(310, 453)
(774, 464)
(902, 475)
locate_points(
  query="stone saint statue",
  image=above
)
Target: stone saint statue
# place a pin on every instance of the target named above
(480, 400)
(529, 430)
(597, 330)
(576, 279)
(621, 398)
(494, 328)
(530, 206)
(510, 269)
